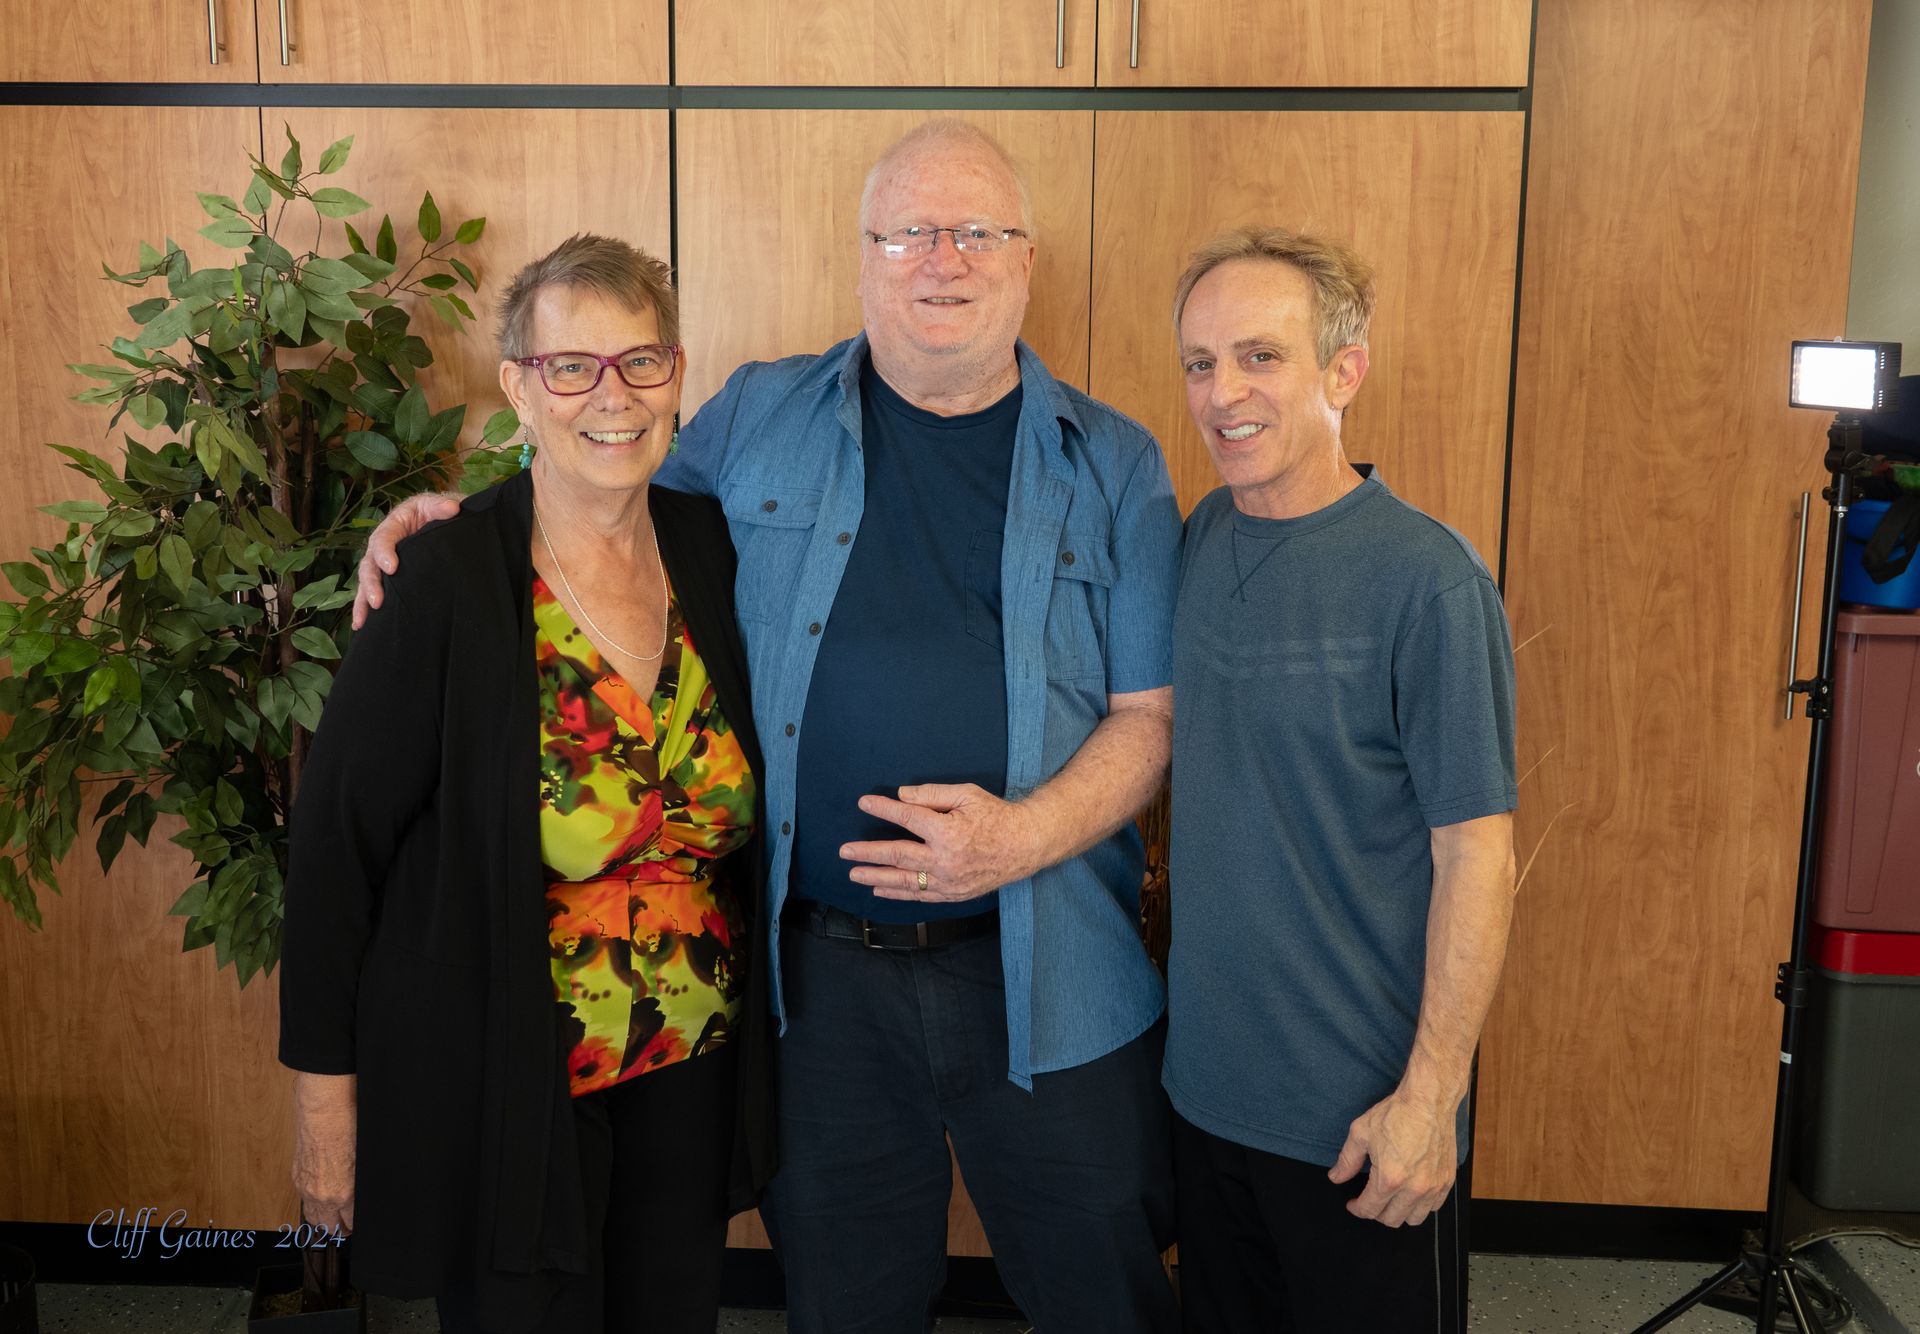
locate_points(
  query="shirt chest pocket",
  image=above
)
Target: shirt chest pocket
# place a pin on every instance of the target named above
(1083, 575)
(772, 525)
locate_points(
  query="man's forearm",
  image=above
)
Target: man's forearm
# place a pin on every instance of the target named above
(1467, 926)
(1116, 772)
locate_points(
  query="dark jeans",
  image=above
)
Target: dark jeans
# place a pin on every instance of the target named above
(654, 1156)
(1267, 1247)
(889, 1054)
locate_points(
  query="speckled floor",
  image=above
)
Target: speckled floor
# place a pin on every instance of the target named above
(1511, 1295)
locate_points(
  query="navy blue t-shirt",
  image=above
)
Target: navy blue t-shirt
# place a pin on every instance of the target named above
(910, 682)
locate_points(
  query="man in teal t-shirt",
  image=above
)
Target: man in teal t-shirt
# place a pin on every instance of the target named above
(1342, 851)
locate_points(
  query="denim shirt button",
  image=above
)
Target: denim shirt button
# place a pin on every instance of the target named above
(771, 506)
(1066, 557)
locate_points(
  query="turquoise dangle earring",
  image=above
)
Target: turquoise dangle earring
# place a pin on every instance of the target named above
(673, 445)
(526, 449)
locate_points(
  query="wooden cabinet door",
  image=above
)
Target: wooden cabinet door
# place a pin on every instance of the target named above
(1432, 199)
(1313, 44)
(537, 177)
(885, 43)
(1676, 245)
(133, 1073)
(113, 41)
(464, 41)
(770, 230)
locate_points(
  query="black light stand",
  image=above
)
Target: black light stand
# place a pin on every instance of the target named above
(1773, 1265)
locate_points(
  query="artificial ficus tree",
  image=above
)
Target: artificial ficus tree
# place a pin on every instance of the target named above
(173, 651)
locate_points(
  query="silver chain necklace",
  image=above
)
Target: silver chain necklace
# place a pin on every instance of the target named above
(580, 607)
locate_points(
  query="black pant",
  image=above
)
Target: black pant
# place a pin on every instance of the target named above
(654, 1155)
(887, 1055)
(1267, 1247)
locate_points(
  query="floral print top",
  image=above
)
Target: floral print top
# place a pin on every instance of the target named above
(638, 801)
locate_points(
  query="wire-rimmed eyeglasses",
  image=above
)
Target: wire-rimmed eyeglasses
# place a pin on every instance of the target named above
(566, 373)
(969, 238)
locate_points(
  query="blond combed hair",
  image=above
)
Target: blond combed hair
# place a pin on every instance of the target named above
(1342, 282)
(603, 264)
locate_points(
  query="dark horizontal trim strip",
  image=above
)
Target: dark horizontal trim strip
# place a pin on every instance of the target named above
(1624, 1231)
(588, 96)
(1106, 99)
(654, 96)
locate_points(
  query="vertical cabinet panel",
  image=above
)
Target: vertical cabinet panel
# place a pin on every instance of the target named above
(1686, 219)
(943, 43)
(113, 41)
(770, 230)
(1430, 198)
(537, 176)
(1311, 44)
(463, 41)
(133, 1073)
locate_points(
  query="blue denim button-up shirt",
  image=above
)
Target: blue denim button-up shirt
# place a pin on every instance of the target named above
(1088, 570)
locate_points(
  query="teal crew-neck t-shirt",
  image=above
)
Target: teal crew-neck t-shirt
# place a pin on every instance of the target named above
(1343, 684)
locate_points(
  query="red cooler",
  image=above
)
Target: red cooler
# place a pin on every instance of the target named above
(1870, 842)
(1859, 1087)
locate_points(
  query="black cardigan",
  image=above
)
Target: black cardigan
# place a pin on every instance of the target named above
(416, 949)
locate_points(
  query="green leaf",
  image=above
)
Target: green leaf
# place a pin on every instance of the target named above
(460, 304)
(374, 451)
(112, 837)
(201, 524)
(315, 642)
(72, 655)
(353, 239)
(439, 282)
(145, 561)
(227, 803)
(466, 274)
(231, 232)
(77, 511)
(290, 164)
(99, 691)
(257, 196)
(410, 417)
(275, 701)
(166, 329)
(334, 202)
(193, 902)
(500, 427)
(306, 709)
(384, 245)
(147, 410)
(429, 219)
(336, 156)
(30, 650)
(287, 310)
(370, 267)
(218, 206)
(444, 308)
(176, 559)
(142, 311)
(26, 577)
(273, 183)
(331, 275)
(470, 231)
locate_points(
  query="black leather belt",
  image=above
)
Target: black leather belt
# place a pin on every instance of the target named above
(835, 924)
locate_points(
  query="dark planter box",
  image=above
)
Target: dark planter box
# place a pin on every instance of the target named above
(17, 1313)
(277, 1282)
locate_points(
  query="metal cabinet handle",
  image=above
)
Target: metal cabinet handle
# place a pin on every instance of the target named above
(213, 33)
(1799, 587)
(1059, 34)
(1133, 38)
(286, 53)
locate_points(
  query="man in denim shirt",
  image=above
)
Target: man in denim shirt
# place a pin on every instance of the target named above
(956, 585)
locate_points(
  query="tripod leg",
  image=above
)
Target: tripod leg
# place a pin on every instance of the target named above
(1797, 1301)
(1768, 1312)
(1706, 1289)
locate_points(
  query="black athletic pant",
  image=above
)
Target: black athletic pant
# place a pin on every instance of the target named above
(1267, 1247)
(654, 1156)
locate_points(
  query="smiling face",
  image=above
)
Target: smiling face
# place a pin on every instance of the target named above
(1268, 412)
(612, 437)
(945, 317)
